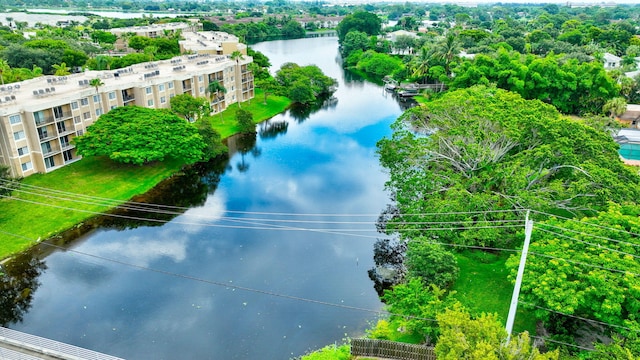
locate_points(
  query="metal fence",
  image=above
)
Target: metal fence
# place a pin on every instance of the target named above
(40, 345)
(391, 350)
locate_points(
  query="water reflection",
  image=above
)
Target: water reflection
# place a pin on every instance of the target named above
(18, 283)
(270, 129)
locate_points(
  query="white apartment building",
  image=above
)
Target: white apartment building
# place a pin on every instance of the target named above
(40, 117)
(152, 31)
(211, 42)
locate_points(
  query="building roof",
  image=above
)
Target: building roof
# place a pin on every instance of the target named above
(173, 26)
(208, 40)
(628, 136)
(46, 91)
(611, 58)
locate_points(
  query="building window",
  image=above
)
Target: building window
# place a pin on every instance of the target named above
(76, 119)
(171, 95)
(163, 99)
(22, 151)
(84, 101)
(15, 119)
(49, 162)
(96, 99)
(201, 89)
(67, 155)
(18, 135)
(148, 90)
(86, 115)
(112, 95)
(80, 132)
(161, 87)
(113, 106)
(200, 78)
(170, 85)
(74, 105)
(27, 166)
(150, 102)
(98, 112)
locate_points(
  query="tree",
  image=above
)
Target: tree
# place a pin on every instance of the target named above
(589, 269)
(354, 40)
(615, 107)
(139, 42)
(214, 89)
(484, 337)
(96, 83)
(244, 118)
(292, 30)
(268, 86)
(304, 84)
(237, 56)
(136, 135)
(213, 142)
(7, 183)
(366, 22)
(61, 70)
(431, 263)
(189, 107)
(491, 149)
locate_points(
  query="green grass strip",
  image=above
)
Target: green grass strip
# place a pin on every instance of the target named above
(31, 217)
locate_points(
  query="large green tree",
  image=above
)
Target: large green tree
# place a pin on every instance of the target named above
(489, 149)
(137, 135)
(304, 84)
(364, 21)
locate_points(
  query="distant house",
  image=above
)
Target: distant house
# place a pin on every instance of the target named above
(631, 117)
(611, 61)
(392, 36)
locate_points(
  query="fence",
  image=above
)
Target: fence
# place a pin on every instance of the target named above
(391, 350)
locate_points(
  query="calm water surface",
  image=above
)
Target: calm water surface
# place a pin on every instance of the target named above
(226, 279)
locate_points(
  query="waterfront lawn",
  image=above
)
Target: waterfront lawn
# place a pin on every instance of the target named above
(226, 124)
(31, 217)
(483, 286)
(39, 213)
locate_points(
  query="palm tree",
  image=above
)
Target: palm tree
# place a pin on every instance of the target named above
(237, 56)
(61, 69)
(214, 89)
(447, 50)
(4, 67)
(421, 63)
(615, 107)
(96, 83)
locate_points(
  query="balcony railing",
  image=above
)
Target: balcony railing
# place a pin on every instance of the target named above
(127, 98)
(50, 151)
(46, 136)
(63, 116)
(67, 146)
(44, 121)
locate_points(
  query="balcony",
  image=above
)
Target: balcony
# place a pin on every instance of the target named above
(44, 120)
(128, 98)
(247, 78)
(63, 132)
(50, 151)
(67, 146)
(63, 116)
(46, 136)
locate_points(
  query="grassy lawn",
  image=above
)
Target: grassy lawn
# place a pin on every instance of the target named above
(483, 286)
(31, 217)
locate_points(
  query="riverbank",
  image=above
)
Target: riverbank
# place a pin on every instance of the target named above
(48, 204)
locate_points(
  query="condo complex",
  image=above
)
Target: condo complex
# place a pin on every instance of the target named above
(40, 117)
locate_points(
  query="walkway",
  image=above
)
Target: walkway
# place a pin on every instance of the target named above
(16, 345)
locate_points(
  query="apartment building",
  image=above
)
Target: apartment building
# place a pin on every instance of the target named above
(40, 117)
(153, 31)
(211, 42)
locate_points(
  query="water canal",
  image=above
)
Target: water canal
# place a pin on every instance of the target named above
(289, 218)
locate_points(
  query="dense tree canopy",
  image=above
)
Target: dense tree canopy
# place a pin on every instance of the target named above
(491, 149)
(304, 84)
(364, 21)
(137, 135)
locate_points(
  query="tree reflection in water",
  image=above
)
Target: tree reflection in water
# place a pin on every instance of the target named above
(270, 129)
(302, 112)
(18, 282)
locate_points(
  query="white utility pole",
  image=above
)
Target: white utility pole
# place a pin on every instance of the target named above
(528, 227)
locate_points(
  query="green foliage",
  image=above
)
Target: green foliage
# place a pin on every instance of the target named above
(189, 107)
(331, 352)
(303, 84)
(431, 263)
(139, 42)
(244, 118)
(619, 349)
(354, 41)
(420, 306)
(7, 182)
(578, 280)
(214, 146)
(366, 22)
(293, 30)
(137, 135)
(482, 338)
(492, 149)
(379, 64)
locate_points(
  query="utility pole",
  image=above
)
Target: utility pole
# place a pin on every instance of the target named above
(528, 227)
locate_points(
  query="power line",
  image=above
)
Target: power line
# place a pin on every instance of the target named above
(590, 235)
(562, 343)
(599, 246)
(583, 263)
(586, 223)
(580, 318)
(225, 284)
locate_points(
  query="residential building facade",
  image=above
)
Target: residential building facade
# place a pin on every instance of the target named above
(39, 118)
